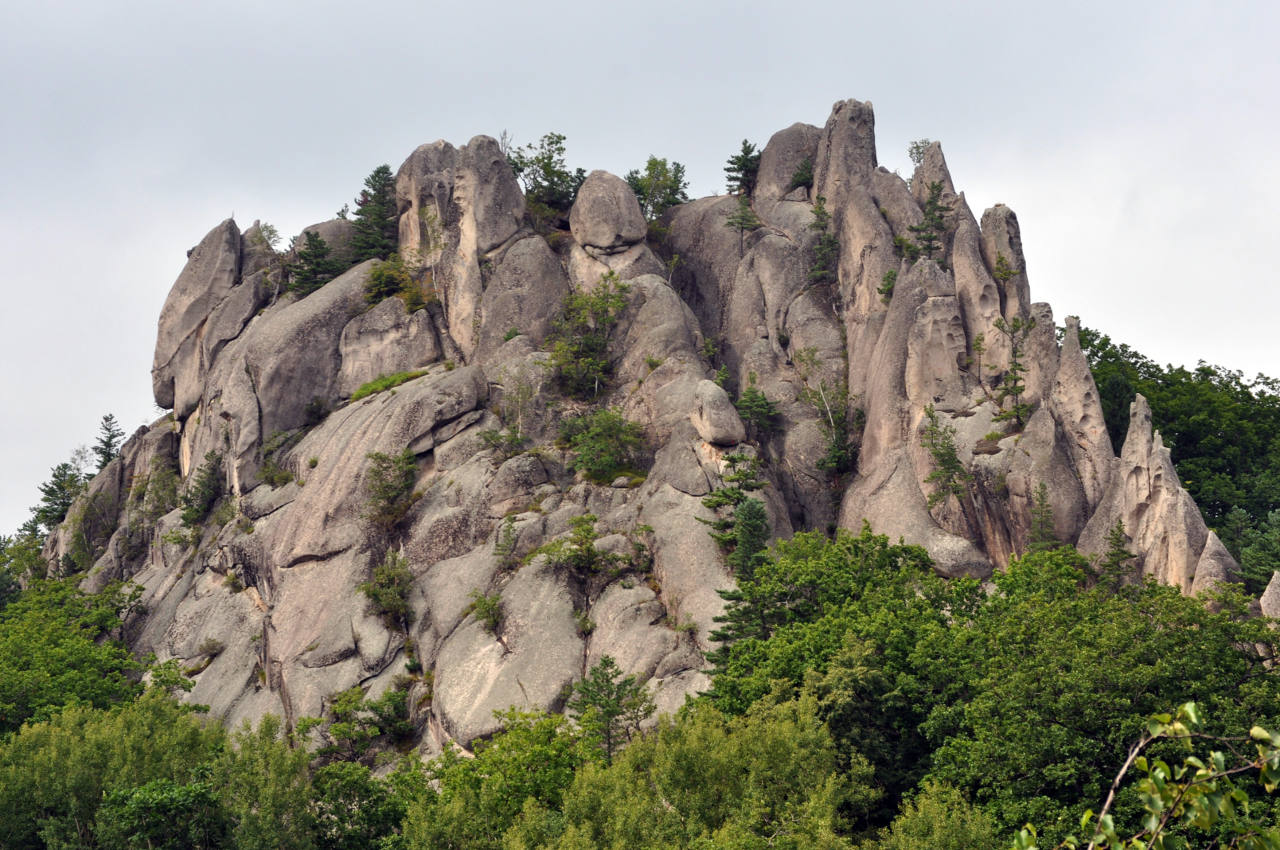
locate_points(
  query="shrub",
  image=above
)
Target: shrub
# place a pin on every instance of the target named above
(387, 278)
(604, 444)
(578, 551)
(887, 283)
(388, 591)
(579, 338)
(488, 610)
(949, 474)
(385, 382)
(389, 488)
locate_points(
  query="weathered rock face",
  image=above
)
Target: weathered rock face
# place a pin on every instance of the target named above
(262, 385)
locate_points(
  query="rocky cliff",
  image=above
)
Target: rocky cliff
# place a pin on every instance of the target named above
(262, 603)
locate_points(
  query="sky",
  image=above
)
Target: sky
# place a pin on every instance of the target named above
(1135, 141)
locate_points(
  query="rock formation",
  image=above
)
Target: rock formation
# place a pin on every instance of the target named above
(261, 384)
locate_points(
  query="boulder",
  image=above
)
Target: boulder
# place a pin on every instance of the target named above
(606, 215)
(715, 417)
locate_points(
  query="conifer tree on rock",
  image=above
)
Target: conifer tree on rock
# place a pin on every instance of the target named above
(742, 169)
(110, 436)
(314, 267)
(377, 232)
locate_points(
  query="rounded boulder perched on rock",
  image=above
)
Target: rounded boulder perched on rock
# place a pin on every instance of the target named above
(715, 417)
(606, 214)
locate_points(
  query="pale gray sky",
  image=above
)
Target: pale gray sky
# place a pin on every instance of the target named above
(1134, 140)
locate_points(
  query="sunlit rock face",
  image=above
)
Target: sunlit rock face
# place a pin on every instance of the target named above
(261, 382)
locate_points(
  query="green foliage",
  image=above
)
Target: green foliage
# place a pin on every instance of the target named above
(826, 251)
(1115, 568)
(578, 552)
(57, 648)
(550, 188)
(388, 489)
(65, 483)
(803, 175)
(391, 277)
(488, 610)
(939, 818)
(769, 779)
(887, 283)
(351, 809)
(1004, 271)
(56, 775)
(92, 522)
(376, 222)
(20, 560)
(1011, 386)
(579, 338)
(110, 438)
(265, 788)
(758, 413)
(743, 220)
(949, 476)
(1200, 795)
(164, 815)
(313, 268)
(750, 538)
(742, 169)
(660, 187)
(916, 151)
(203, 491)
(472, 802)
(161, 493)
(610, 706)
(504, 545)
(1260, 553)
(831, 403)
(388, 591)
(357, 724)
(904, 247)
(604, 444)
(929, 231)
(1042, 537)
(385, 382)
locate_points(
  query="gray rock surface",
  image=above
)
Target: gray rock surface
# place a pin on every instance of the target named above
(606, 214)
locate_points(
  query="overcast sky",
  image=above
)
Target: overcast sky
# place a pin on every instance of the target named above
(1135, 141)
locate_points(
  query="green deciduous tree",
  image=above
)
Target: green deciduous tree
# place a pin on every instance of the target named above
(163, 814)
(376, 222)
(265, 788)
(579, 338)
(351, 809)
(550, 188)
(659, 187)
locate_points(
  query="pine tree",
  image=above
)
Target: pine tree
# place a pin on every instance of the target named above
(110, 437)
(750, 538)
(1012, 386)
(1042, 537)
(1115, 565)
(743, 219)
(756, 410)
(314, 268)
(949, 475)
(609, 704)
(930, 229)
(826, 251)
(65, 482)
(742, 169)
(377, 227)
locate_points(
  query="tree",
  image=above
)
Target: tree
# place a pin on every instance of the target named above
(660, 187)
(579, 338)
(1116, 566)
(388, 591)
(826, 251)
(916, 151)
(110, 437)
(351, 809)
(1042, 536)
(609, 705)
(313, 268)
(831, 403)
(164, 815)
(756, 410)
(750, 538)
(550, 188)
(376, 223)
(802, 177)
(743, 219)
(604, 444)
(389, 488)
(1016, 331)
(203, 491)
(265, 788)
(931, 227)
(949, 476)
(742, 169)
(65, 483)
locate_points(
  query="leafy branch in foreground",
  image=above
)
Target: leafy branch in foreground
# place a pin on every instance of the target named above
(1200, 795)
